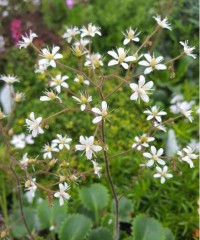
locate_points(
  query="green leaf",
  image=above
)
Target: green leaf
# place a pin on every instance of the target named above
(168, 234)
(19, 230)
(125, 208)
(75, 227)
(100, 233)
(94, 198)
(51, 215)
(108, 221)
(146, 228)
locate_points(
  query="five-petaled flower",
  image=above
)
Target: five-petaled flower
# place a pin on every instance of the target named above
(162, 174)
(131, 35)
(50, 96)
(120, 58)
(83, 100)
(187, 49)
(87, 145)
(34, 125)
(62, 141)
(187, 155)
(70, 33)
(142, 141)
(163, 23)
(27, 40)
(48, 58)
(47, 149)
(154, 114)
(103, 112)
(152, 63)
(141, 89)
(154, 156)
(62, 195)
(94, 60)
(58, 82)
(91, 30)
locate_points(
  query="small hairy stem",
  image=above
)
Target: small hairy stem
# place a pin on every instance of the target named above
(12, 160)
(111, 184)
(176, 58)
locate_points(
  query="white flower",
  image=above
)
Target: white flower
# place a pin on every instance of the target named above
(91, 30)
(62, 141)
(102, 112)
(81, 43)
(187, 114)
(152, 63)
(142, 141)
(58, 82)
(50, 96)
(62, 195)
(120, 58)
(87, 145)
(94, 60)
(70, 33)
(20, 140)
(19, 97)
(131, 35)
(154, 156)
(48, 58)
(83, 100)
(47, 149)
(34, 125)
(163, 23)
(141, 89)
(24, 162)
(162, 174)
(187, 155)
(41, 68)
(81, 80)
(177, 98)
(9, 79)
(31, 186)
(154, 113)
(27, 40)
(159, 126)
(181, 106)
(97, 169)
(194, 145)
(187, 49)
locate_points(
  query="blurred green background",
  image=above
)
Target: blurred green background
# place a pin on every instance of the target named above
(174, 203)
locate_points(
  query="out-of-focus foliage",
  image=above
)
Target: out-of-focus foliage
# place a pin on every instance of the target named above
(174, 204)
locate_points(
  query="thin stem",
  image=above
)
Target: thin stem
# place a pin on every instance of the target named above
(12, 160)
(148, 38)
(173, 59)
(111, 184)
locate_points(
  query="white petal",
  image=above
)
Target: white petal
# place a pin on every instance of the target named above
(113, 54)
(144, 63)
(148, 70)
(150, 163)
(153, 150)
(113, 62)
(148, 57)
(96, 148)
(104, 105)
(80, 147)
(129, 59)
(126, 41)
(134, 96)
(97, 119)
(96, 110)
(160, 67)
(148, 155)
(124, 65)
(45, 98)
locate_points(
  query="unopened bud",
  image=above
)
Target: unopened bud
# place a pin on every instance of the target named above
(62, 178)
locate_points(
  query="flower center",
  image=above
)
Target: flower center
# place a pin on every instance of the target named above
(153, 62)
(121, 57)
(48, 148)
(104, 113)
(49, 56)
(130, 34)
(83, 99)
